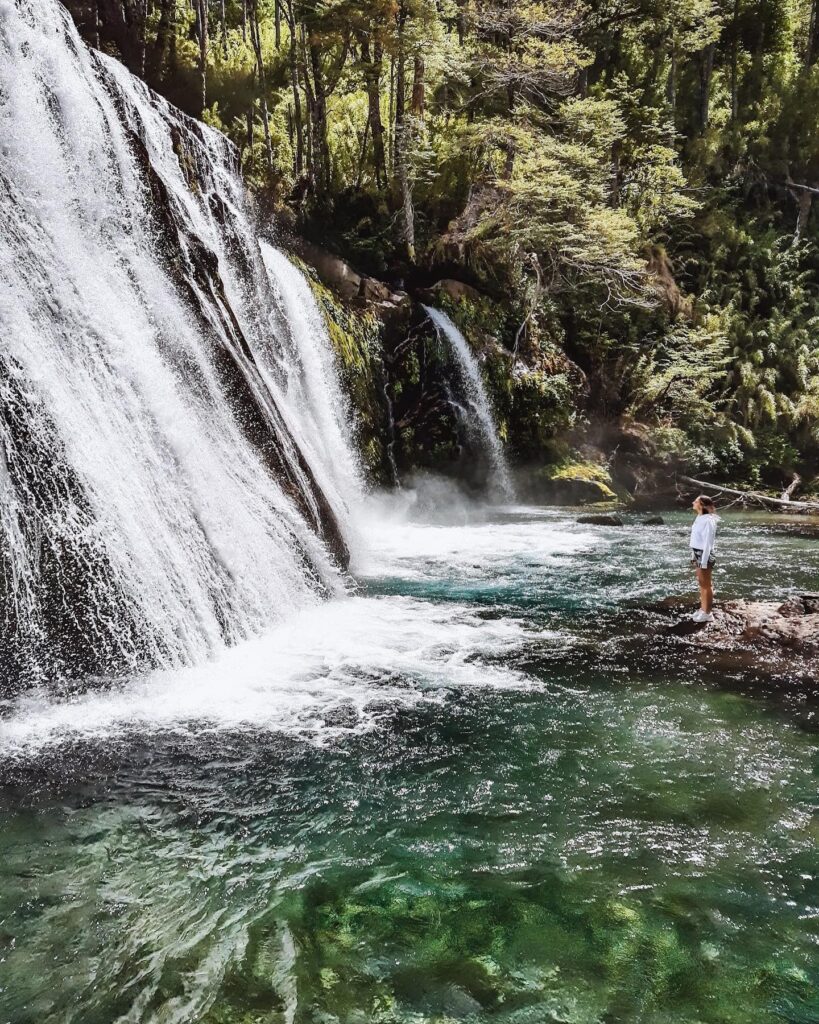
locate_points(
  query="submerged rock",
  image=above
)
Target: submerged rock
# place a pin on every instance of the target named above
(601, 520)
(654, 521)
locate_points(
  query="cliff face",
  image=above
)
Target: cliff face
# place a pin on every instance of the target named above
(408, 401)
(404, 383)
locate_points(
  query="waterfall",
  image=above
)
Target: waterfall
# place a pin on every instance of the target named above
(317, 410)
(174, 471)
(476, 408)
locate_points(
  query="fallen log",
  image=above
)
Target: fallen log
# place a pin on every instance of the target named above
(753, 497)
(787, 494)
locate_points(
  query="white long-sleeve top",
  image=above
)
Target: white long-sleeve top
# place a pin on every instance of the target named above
(704, 536)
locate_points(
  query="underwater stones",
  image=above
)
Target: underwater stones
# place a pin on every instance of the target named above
(601, 520)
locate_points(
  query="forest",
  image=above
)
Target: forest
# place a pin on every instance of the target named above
(628, 186)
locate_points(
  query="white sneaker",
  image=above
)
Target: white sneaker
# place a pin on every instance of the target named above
(701, 616)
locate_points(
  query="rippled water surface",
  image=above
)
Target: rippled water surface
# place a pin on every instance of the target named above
(485, 788)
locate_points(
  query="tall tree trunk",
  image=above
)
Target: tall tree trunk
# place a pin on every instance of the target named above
(372, 78)
(201, 11)
(139, 20)
(706, 72)
(223, 27)
(407, 209)
(671, 85)
(321, 154)
(256, 42)
(734, 64)
(165, 26)
(812, 52)
(362, 154)
(417, 102)
(804, 202)
(172, 54)
(402, 143)
(391, 117)
(298, 130)
(277, 22)
(400, 84)
(313, 159)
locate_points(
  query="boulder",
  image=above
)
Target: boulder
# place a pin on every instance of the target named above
(373, 290)
(332, 270)
(654, 521)
(454, 290)
(762, 624)
(791, 628)
(572, 483)
(601, 520)
(800, 604)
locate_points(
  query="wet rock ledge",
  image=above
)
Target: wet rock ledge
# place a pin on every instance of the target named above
(789, 628)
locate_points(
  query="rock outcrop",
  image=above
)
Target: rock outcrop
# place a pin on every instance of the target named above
(792, 626)
(762, 634)
(573, 483)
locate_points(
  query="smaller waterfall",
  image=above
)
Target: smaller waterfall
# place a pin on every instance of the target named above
(480, 422)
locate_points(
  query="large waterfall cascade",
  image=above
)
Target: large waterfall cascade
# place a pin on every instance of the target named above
(175, 463)
(478, 411)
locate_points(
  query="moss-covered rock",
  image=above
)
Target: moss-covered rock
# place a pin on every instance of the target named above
(356, 338)
(574, 483)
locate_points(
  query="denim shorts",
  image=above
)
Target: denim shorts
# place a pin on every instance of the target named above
(696, 558)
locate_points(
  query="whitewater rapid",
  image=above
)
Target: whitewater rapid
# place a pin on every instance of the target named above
(343, 664)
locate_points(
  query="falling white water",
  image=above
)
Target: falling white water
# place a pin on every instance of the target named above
(318, 412)
(170, 452)
(358, 655)
(479, 414)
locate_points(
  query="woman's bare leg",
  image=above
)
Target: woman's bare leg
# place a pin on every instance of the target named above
(706, 589)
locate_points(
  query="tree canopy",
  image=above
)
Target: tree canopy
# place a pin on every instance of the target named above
(635, 178)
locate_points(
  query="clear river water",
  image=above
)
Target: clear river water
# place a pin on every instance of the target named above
(480, 788)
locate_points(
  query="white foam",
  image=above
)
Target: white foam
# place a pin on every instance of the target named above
(475, 539)
(349, 651)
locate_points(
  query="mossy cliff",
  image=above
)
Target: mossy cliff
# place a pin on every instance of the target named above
(356, 338)
(405, 390)
(404, 386)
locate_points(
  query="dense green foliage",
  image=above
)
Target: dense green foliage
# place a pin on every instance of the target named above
(632, 178)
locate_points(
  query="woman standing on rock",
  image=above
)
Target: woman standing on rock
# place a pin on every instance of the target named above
(703, 551)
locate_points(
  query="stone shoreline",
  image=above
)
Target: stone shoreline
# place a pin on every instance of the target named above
(779, 631)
